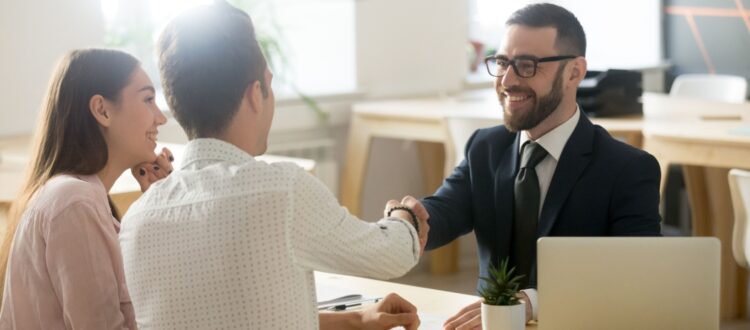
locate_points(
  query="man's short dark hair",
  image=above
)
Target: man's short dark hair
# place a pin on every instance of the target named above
(570, 36)
(208, 57)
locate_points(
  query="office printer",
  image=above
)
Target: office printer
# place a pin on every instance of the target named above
(610, 93)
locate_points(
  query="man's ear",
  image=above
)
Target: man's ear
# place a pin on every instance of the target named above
(101, 110)
(254, 94)
(578, 70)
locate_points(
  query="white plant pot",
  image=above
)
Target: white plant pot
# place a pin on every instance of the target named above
(503, 317)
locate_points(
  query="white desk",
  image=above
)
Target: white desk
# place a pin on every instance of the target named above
(435, 303)
(707, 150)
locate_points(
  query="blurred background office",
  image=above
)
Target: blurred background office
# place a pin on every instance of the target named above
(329, 55)
(338, 52)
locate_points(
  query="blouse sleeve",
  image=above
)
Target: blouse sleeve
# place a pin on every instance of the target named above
(81, 254)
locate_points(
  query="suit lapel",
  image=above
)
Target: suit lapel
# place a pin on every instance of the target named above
(505, 175)
(573, 161)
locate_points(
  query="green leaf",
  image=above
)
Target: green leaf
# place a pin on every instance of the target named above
(501, 288)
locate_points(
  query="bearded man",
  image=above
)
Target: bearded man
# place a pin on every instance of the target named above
(548, 171)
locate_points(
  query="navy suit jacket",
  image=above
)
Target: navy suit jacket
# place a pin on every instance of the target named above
(601, 187)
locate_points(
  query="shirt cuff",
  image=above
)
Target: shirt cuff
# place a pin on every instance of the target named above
(531, 293)
(412, 231)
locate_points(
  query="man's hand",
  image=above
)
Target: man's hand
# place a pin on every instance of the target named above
(148, 173)
(392, 311)
(525, 300)
(470, 317)
(419, 210)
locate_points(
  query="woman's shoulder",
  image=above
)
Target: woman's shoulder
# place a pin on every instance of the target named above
(65, 190)
(74, 187)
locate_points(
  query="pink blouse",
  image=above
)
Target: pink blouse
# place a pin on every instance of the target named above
(65, 269)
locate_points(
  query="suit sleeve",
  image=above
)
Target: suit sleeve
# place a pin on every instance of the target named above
(635, 200)
(450, 208)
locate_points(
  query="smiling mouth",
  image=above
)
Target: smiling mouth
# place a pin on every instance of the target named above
(517, 98)
(152, 136)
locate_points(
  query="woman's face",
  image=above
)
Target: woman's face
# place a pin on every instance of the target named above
(131, 136)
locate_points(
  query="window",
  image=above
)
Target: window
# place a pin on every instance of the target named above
(316, 38)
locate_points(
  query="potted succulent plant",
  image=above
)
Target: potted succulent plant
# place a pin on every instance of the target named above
(501, 308)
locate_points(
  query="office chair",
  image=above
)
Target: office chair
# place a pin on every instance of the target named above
(723, 88)
(739, 186)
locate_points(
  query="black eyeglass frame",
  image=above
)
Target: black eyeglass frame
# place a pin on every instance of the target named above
(512, 63)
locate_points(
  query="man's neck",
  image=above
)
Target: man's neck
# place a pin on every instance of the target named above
(241, 132)
(563, 112)
(240, 139)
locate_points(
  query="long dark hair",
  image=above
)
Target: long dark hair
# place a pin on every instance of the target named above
(68, 138)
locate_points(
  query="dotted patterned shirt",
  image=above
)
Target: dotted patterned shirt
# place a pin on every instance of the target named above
(228, 241)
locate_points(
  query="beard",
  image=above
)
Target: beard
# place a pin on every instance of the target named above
(541, 109)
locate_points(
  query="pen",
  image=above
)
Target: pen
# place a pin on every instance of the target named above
(350, 304)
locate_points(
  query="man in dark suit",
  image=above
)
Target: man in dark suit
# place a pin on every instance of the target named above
(548, 171)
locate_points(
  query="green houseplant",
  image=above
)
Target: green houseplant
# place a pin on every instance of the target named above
(501, 308)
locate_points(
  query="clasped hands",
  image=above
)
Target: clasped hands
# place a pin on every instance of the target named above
(419, 211)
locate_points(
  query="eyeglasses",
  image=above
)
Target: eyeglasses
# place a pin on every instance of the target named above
(524, 66)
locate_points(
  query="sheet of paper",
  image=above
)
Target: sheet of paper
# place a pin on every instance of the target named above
(430, 322)
(325, 292)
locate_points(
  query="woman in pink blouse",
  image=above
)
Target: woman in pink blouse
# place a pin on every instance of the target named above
(61, 256)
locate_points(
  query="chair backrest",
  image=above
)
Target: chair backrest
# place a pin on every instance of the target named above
(739, 186)
(661, 106)
(722, 88)
(460, 129)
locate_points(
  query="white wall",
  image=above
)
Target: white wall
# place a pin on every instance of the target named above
(411, 47)
(619, 34)
(406, 48)
(33, 36)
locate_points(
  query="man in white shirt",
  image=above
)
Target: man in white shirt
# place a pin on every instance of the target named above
(548, 171)
(228, 241)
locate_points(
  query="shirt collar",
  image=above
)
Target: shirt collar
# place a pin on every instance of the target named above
(554, 141)
(213, 149)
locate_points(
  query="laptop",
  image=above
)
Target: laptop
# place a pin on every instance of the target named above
(628, 283)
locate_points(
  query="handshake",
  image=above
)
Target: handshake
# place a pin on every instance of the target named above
(412, 211)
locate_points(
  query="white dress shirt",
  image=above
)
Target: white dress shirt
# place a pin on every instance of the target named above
(229, 241)
(554, 143)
